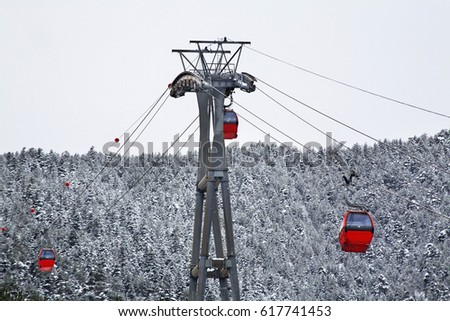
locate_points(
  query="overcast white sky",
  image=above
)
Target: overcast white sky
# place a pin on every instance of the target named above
(76, 74)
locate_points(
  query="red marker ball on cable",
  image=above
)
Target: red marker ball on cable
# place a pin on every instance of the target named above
(67, 184)
(117, 140)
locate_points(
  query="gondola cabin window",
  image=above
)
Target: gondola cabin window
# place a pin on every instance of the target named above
(358, 221)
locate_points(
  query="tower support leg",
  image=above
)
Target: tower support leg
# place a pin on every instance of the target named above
(212, 173)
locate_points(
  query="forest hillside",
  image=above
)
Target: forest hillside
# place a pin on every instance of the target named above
(287, 209)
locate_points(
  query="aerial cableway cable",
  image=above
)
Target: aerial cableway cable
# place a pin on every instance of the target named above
(179, 150)
(265, 122)
(272, 126)
(351, 86)
(415, 203)
(262, 131)
(146, 172)
(140, 133)
(384, 189)
(83, 236)
(147, 113)
(318, 129)
(353, 128)
(302, 119)
(343, 124)
(140, 123)
(151, 167)
(145, 127)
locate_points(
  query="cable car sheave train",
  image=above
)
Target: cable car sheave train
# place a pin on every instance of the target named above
(356, 231)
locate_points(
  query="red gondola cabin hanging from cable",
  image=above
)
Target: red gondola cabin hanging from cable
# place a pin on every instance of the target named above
(230, 124)
(356, 231)
(46, 259)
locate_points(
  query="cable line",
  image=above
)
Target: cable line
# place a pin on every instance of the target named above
(380, 187)
(352, 128)
(149, 109)
(261, 130)
(302, 119)
(386, 190)
(148, 170)
(126, 141)
(254, 115)
(147, 113)
(415, 203)
(323, 114)
(350, 86)
(145, 127)
(268, 124)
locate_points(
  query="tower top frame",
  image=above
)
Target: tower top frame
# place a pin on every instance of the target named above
(212, 58)
(212, 65)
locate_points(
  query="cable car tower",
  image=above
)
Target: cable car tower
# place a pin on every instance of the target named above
(210, 72)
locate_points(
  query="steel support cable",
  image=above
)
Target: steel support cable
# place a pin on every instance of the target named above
(308, 123)
(388, 191)
(179, 150)
(265, 122)
(384, 189)
(302, 119)
(306, 105)
(268, 124)
(145, 127)
(148, 112)
(349, 85)
(262, 131)
(140, 123)
(415, 203)
(353, 128)
(404, 198)
(88, 239)
(148, 170)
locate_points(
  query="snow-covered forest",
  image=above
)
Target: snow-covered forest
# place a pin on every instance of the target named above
(287, 209)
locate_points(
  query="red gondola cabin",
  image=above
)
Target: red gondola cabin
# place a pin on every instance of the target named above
(230, 124)
(356, 231)
(46, 259)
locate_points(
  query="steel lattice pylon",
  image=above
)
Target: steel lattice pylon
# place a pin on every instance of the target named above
(212, 76)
